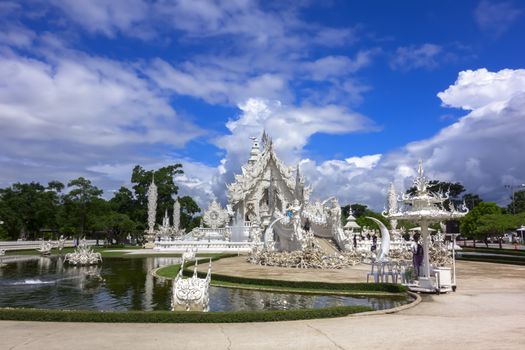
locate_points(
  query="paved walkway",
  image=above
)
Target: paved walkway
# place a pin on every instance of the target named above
(486, 312)
(237, 266)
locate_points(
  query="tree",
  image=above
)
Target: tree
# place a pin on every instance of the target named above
(82, 201)
(27, 208)
(166, 188)
(117, 226)
(124, 202)
(188, 209)
(517, 204)
(471, 200)
(358, 209)
(470, 222)
(496, 225)
(360, 212)
(364, 221)
(454, 189)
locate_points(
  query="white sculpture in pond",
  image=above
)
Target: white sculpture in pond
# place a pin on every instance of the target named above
(189, 254)
(83, 255)
(45, 248)
(191, 294)
(60, 243)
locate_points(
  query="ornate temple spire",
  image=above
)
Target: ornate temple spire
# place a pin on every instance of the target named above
(152, 205)
(254, 152)
(264, 138)
(299, 185)
(166, 219)
(176, 216)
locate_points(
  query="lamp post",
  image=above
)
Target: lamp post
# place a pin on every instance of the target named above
(512, 189)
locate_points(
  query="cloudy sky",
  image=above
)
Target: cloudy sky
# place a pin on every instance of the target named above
(353, 91)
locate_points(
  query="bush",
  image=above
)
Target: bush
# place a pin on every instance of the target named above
(177, 317)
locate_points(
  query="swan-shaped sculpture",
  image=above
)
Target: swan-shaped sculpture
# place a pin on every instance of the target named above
(385, 239)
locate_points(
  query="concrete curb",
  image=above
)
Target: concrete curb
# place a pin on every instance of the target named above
(417, 300)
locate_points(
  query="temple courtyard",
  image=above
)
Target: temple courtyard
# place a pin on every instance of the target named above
(486, 312)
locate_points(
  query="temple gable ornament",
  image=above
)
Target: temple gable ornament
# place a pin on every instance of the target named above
(215, 216)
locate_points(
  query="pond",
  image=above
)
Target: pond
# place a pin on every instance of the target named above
(124, 284)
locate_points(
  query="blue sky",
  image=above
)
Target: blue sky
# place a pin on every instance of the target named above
(347, 89)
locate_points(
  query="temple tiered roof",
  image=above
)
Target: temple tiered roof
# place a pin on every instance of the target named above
(256, 168)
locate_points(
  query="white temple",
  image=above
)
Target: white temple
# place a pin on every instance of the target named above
(268, 204)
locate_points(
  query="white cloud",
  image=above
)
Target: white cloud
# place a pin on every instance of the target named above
(330, 67)
(249, 48)
(413, 57)
(87, 100)
(66, 114)
(215, 85)
(109, 17)
(476, 89)
(496, 18)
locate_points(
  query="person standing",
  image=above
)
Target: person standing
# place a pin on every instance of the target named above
(417, 255)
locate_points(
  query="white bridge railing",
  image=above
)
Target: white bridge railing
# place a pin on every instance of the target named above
(20, 245)
(205, 246)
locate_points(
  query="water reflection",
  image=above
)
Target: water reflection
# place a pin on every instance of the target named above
(125, 284)
(224, 299)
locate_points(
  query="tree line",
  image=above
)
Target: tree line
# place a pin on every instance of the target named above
(77, 209)
(33, 211)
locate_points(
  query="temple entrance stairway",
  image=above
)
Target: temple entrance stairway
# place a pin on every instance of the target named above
(328, 246)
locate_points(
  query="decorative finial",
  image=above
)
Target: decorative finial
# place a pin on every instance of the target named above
(421, 182)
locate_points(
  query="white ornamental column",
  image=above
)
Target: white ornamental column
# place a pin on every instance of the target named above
(176, 216)
(424, 280)
(152, 206)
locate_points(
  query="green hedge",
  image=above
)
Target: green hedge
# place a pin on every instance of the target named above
(493, 259)
(177, 317)
(495, 251)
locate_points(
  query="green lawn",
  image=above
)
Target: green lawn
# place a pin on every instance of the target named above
(305, 287)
